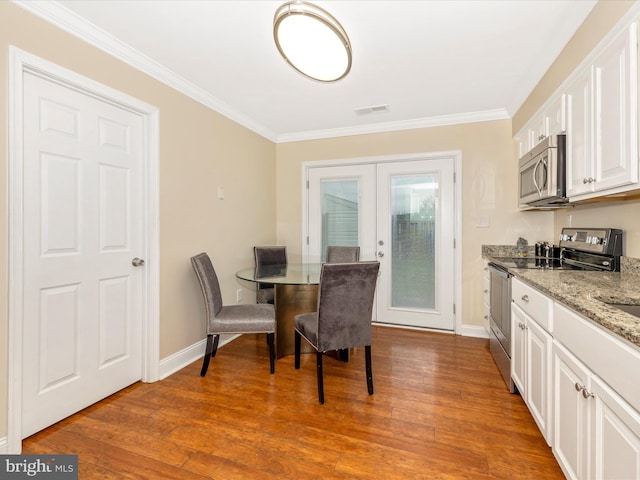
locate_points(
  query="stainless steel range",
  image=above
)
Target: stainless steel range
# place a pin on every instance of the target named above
(594, 249)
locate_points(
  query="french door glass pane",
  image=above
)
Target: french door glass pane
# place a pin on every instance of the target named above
(413, 224)
(339, 214)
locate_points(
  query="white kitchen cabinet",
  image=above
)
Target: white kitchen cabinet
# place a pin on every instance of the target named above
(550, 120)
(518, 350)
(571, 422)
(555, 115)
(615, 427)
(531, 352)
(486, 296)
(531, 367)
(579, 134)
(596, 398)
(523, 142)
(602, 110)
(616, 109)
(596, 433)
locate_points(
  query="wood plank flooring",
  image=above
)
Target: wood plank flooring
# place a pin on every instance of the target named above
(440, 411)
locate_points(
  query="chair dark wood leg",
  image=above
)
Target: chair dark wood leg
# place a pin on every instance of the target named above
(207, 356)
(367, 359)
(296, 354)
(344, 354)
(272, 352)
(216, 339)
(320, 378)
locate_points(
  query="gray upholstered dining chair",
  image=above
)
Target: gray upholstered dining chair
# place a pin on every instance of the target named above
(340, 254)
(343, 318)
(343, 254)
(254, 318)
(266, 256)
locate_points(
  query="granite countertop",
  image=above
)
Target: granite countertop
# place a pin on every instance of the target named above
(588, 293)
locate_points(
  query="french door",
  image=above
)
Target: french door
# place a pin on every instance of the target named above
(400, 213)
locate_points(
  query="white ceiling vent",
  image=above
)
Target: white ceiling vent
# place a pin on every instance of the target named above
(372, 109)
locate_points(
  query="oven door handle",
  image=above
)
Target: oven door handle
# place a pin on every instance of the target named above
(499, 271)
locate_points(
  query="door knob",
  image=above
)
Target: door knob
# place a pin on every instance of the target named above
(137, 262)
(381, 254)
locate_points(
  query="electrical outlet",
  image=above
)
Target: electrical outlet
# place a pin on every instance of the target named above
(239, 295)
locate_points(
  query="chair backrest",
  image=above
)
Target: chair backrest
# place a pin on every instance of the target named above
(208, 284)
(345, 304)
(337, 254)
(264, 256)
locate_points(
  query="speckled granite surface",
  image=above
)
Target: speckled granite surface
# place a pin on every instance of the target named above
(589, 292)
(504, 251)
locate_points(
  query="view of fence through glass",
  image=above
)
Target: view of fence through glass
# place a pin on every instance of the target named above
(413, 233)
(339, 214)
(413, 226)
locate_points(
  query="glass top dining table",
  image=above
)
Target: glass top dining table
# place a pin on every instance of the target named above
(295, 292)
(290, 274)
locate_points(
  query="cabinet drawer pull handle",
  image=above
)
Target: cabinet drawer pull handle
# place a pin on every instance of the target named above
(525, 298)
(579, 387)
(586, 393)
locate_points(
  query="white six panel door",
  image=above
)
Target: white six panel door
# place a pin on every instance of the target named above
(82, 338)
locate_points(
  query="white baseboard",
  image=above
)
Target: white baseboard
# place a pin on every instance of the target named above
(186, 356)
(474, 331)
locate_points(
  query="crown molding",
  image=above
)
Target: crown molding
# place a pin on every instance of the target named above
(427, 122)
(70, 22)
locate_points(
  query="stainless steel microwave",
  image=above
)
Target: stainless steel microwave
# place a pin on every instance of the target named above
(542, 174)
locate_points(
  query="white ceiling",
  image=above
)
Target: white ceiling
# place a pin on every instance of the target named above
(432, 62)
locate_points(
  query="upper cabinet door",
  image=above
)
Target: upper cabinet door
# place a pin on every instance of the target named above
(579, 135)
(555, 116)
(615, 112)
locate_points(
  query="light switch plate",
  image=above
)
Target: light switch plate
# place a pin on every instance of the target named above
(482, 221)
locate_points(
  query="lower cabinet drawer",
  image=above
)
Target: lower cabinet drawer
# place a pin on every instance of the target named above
(533, 303)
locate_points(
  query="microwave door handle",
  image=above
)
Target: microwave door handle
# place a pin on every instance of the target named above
(545, 173)
(535, 177)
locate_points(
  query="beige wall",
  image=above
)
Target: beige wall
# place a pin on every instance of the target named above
(199, 150)
(488, 189)
(607, 214)
(621, 214)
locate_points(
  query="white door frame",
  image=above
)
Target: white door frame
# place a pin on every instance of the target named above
(455, 156)
(20, 62)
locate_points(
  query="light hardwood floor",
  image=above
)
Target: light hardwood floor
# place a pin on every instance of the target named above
(440, 411)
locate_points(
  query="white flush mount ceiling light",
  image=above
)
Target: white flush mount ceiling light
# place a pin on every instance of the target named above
(312, 41)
